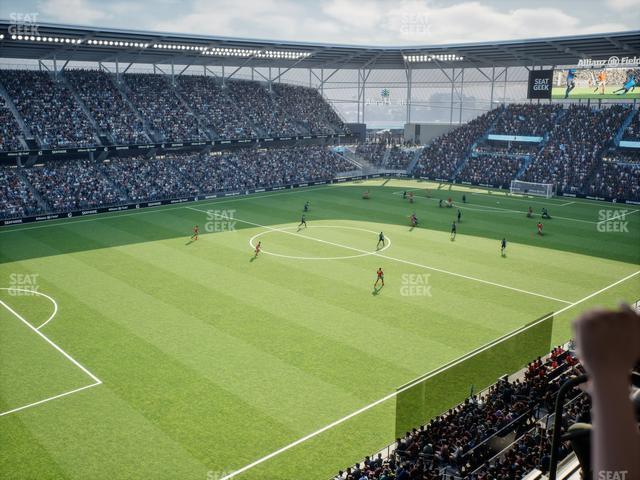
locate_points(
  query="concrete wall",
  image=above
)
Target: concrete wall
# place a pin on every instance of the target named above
(423, 133)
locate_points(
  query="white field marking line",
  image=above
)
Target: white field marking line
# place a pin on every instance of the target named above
(620, 215)
(203, 202)
(488, 208)
(95, 379)
(418, 380)
(55, 397)
(388, 244)
(565, 204)
(487, 282)
(55, 304)
(50, 342)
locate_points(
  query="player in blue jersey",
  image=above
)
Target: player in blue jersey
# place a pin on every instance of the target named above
(630, 83)
(571, 82)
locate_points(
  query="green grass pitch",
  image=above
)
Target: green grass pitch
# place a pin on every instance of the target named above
(208, 360)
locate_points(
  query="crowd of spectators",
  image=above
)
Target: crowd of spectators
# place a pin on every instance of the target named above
(148, 180)
(252, 168)
(399, 158)
(111, 112)
(632, 132)
(16, 199)
(84, 184)
(9, 129)
(220, 114)
(263, 108)
(373, 153)
(309, 108)
(444, 155)
(49, 109)
(575, 146)
(73, 185)
(616, 180)
(457, 441)
(156, 107)
(527, 119)
(167, 116)
(495, 170)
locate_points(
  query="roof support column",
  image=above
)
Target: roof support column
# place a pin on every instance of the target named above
(55, 67)
(493, 85)
(223, 81)
(461, 97)
(453, 83)
(409, 85)
(504, 96)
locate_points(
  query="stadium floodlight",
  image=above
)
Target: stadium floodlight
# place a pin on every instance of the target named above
(532, 188)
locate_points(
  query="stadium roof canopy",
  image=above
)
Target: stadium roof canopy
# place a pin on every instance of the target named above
(91, 44)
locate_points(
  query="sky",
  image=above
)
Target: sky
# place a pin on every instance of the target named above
(363, 22)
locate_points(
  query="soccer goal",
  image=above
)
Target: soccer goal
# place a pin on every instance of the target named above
(531, 188)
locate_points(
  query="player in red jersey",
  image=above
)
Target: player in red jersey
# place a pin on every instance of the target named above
(380, 278)
(258, 247)
(539, 228)
(194, 237)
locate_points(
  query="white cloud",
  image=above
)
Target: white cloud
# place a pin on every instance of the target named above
(372, 22)
(71, 11)
(624, 5)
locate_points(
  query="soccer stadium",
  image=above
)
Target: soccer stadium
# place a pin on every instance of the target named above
(260, 255)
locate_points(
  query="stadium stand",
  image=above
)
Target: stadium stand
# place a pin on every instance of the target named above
(496, 170)
(263, 108)
(83, 184)
(577, 152)
(74, 185)
(16, 199)
(308, 107)
(459, 443)
(208, 99)
(110, 111)
(49, 109)
(575, 147)
(442, 157)
(9, 129)
(528, 119)
(156, 101)
(373, 153)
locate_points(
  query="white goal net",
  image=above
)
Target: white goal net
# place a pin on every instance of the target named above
(531, 188)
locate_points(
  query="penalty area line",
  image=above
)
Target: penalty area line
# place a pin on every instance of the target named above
(48, 399)
(96, 380)
(418, 380)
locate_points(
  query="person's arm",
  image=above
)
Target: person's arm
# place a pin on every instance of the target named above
(609, 346)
